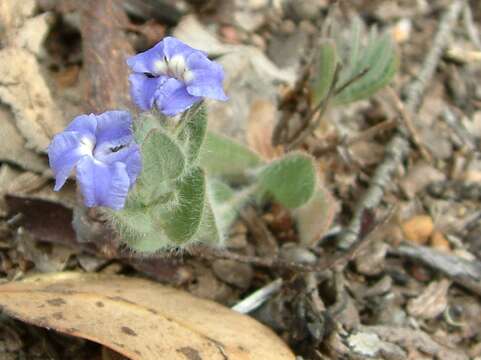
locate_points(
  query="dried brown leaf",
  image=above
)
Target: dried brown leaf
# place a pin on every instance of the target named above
(139, 319)
(12, 146)
(24, 89)
(432, 302)
(260, 124)
(315, 218)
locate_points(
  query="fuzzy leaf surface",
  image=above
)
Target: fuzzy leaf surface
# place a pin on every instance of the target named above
(163, 160)
(290, 180)
(221, 156)
(192, 133)
(182, 221)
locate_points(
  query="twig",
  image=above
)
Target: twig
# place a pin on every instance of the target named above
(365, 135)
(279, 133)
(470, 26)
(350, 81)
(465, 137)
(277, 262)
(408, 123)
(315, 115)
(464, 272)
(398, 147)
(258, 297)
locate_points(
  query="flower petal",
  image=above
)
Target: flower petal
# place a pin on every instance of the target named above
(129, 155)
(85, 124)
(133, 161)
(208, 77)
(144, 62)
(142, 89)
(65, 150)
(102, 184)
(207, 84)
(173, 46)
(113, 127)
(172, 97)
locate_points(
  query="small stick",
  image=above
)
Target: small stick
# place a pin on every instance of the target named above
(365, 135)
(279, 263)
(315, 114)
(398, 147)
(470, 26)
(258, 297)
(465, 273)
(408, 123)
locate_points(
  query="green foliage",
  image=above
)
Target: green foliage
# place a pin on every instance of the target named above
(183, 194)
(290, 180)
(221, 156)
(374, 65)
(181, 222)
(193, 128)
(163, 161)
(324, 70)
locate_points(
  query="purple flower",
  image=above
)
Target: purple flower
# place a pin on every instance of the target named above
(102, 149)
(173, 76)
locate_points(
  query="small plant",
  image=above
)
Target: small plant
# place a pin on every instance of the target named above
(164, 180)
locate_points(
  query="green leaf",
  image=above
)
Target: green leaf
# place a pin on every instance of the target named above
(221, 156)
(209, 230)
(192, 132)
(227, 202)
(163, 161)
(290, 180)
(377, 61)
(133, 221)
(182, 221)
(325, 69)
(149, 242)
(137, 229)
(143, 125)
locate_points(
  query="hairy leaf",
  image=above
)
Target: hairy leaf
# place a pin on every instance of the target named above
(221, 156)
(163, 160)
(182, 221)
(290, 180)
(192, 131)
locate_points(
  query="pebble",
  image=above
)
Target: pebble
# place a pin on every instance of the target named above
(439, 241)
(418, 229)
(233, 272)
(295, 253)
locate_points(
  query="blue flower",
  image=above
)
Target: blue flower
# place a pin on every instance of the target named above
(173, 76)
(102, 149)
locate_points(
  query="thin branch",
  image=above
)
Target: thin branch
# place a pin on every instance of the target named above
(314, 117)
(470, 26)
(258, 297)
(350, 81)
(407, 120)
(465, 273)
(365, 135)
(398, 147)
(341, 258)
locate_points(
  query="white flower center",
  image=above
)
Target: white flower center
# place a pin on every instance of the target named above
(174, 67)
(86, 146)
